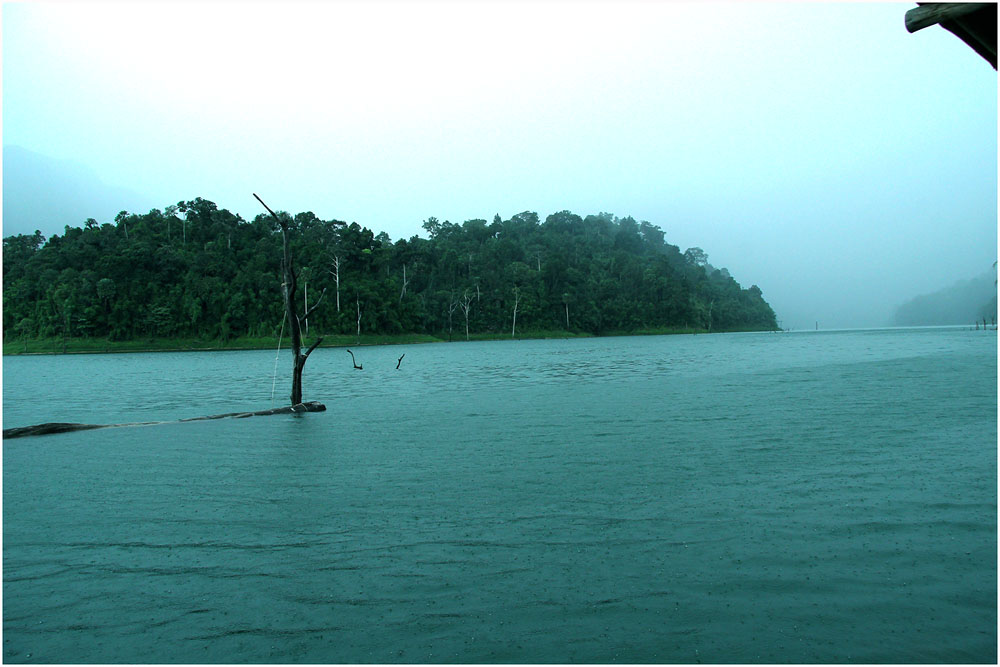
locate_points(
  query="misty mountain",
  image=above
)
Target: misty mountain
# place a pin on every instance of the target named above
(46, 194)
(962, 303)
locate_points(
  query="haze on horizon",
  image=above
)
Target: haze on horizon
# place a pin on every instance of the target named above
(818, 151)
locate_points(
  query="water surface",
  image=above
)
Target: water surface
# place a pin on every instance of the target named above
(813, 497)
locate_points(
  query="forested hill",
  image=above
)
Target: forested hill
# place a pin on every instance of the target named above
(961, 303)
(196, 270)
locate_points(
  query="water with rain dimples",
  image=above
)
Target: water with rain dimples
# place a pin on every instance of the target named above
(800, 497)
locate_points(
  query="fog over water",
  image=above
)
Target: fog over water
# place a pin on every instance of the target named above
(817, 150)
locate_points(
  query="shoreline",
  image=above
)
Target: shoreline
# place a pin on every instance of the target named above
(55, 346)
(101, 346)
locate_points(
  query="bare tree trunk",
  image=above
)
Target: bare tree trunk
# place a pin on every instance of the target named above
(336, 277)
(466, 304)
(451, 309)
(567, 315)
(517, 299)
(405, 283)
(357, 301)
(298, 359)
(295, 323)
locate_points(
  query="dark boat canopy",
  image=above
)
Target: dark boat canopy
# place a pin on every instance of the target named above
(975, 23)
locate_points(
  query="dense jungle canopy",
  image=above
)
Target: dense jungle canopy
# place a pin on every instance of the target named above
(196, 270)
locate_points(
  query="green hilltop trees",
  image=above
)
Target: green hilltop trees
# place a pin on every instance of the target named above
(194, 270)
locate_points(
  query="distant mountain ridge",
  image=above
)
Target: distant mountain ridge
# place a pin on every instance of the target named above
(961, 303)
(43, 193)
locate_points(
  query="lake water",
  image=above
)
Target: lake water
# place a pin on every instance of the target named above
(802, 497)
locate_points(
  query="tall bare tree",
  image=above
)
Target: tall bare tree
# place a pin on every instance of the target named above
(335, 262)
(357, 301)
(405, 283)
(294, 319)
(451, 309)
(466, 304)
(517, 300)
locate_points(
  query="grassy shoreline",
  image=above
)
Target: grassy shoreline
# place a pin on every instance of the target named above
(103, 346)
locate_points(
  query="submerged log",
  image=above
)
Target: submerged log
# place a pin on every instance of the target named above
(309, 406)
(68, 427)
(47, 428)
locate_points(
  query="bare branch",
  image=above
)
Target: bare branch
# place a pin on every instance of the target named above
(314, 306)
(405, 283)
(268, 208)
(313, 347)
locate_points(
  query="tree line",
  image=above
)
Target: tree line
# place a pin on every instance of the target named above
(194, 270)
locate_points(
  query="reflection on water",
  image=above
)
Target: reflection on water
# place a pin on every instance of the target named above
(727, 498)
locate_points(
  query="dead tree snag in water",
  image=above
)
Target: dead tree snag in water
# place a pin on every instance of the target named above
(294, 320)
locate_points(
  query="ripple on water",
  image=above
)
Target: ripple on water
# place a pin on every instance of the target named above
(747, 498)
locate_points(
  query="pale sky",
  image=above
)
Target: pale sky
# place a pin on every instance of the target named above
(817, 150)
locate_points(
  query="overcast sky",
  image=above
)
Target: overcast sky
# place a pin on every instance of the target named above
(817, 150)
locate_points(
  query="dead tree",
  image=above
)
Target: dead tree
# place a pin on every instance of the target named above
(517, 300)
(451, 310)
(466, 304)
(405, 283)
(357, 367)
(305, 302)
(335, 260)
(294, 320)
(357, 301)
(399, 361)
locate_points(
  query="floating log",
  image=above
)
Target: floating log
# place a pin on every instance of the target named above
(68, 427)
